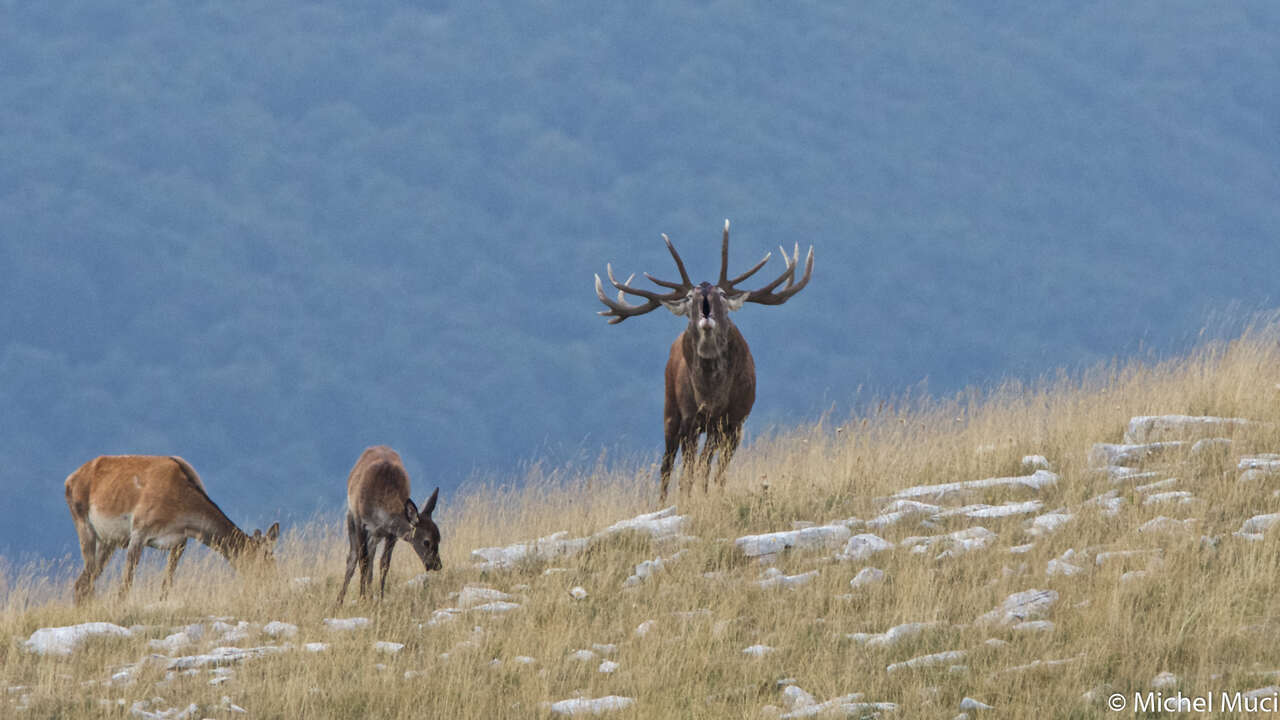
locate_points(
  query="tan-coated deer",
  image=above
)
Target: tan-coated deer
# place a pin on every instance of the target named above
(711, 377)
(137, 501)
(379, 508)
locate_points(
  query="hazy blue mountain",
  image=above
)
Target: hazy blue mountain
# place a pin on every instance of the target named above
(263, 235)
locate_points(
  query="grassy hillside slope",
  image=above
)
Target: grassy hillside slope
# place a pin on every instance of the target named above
(1194, 597)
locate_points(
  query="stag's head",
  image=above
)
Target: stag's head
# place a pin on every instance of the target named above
(423, 535)
(706, 306)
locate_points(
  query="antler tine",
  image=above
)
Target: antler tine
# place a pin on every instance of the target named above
(752, 271)
(620, 309)
(766, 295)
(723, 282)
(684, 275)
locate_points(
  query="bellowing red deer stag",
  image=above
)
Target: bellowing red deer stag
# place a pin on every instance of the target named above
(379, 508)
(711, 377)
(135, 501)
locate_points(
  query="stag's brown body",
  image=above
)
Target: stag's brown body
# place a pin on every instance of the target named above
(379, 510)
(711, 376)
(137, 501)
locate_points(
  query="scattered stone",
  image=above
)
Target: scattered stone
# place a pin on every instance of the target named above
(596, 706)
(893, 635)
(498, 606)
(472, 595)
(775, 578)
(221, 656)
(644, 628)
(1176, 497)
(276, 629)
(863, 546)
(1255, 527)
(1037, 481)
(578, 592)
(757, 650)
(64, 640)
(1164, 681)
(804, 538)
(316, 647)
(388, 647)
(1152, 428)
(608, 666)
(924, 661)
(1049, 523)
(1035, 462)
(1157, 485)
(1030, 626)
(1063, 566)
(1025, 605)
(1132, 455)
(867, 576)
(1165, 525)
(969, 703)
(345, 624)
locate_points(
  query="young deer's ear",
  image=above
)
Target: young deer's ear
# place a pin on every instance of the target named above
(410, 512)
(273, 532)
(430, 505)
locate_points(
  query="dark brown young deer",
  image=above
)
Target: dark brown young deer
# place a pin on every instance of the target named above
(711, 377)
(135, 501)
(379, 508)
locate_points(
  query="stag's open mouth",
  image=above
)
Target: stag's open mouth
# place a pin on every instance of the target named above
(706, 307)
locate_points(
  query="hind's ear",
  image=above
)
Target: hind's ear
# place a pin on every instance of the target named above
(273, 533)
(430, 505)
(411, 512)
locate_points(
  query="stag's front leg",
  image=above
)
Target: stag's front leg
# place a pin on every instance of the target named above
(728, 443)
(692, 466)
(672, 435)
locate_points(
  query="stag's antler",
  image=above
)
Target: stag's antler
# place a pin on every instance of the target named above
(766, 295)
(620, 309)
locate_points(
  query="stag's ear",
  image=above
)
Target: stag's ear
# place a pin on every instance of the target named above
(430, 505)
(273, 532)
(735, 301)
(677, 307)
(410, 512)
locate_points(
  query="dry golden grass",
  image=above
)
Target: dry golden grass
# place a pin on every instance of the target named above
(1204, 612)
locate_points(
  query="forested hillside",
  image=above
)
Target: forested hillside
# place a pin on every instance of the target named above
(263, 235)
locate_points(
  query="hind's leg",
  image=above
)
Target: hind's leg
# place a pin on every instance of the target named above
(83, 588)
(175, 554)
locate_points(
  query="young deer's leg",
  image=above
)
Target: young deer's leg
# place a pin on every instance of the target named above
(366, 561)
(354, 546)
(175, 554)
(387, 545)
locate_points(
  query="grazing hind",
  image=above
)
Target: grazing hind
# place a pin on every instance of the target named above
(135, 501)
(379, 508)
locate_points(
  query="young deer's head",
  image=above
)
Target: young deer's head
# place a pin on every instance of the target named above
(423, 535)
